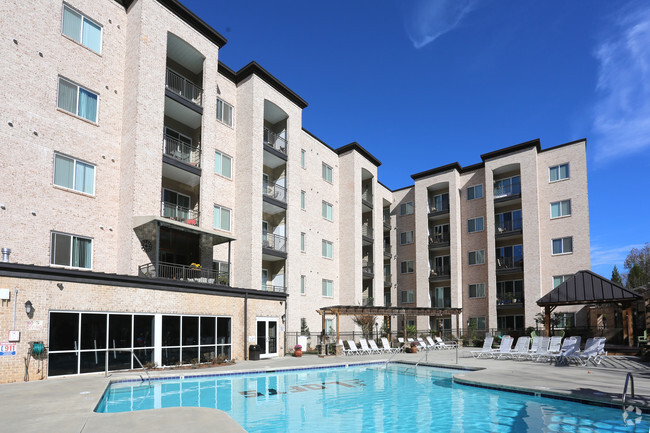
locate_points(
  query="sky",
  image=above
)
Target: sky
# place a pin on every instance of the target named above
(424, 83)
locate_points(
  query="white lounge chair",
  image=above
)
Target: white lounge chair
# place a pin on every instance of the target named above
(373, 347)
(542, 349)
(555, 346)
(569, 347)
(534, 345)
(387, 348)
(433, 343)
(486, 351)
(504, 348)
(423, 344)
(353, 348)
(593, 352)
(521, 348)
(364, 346)
(446, 345)
(346, 352)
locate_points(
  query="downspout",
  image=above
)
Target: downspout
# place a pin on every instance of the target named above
(286, 322)
(245, 326)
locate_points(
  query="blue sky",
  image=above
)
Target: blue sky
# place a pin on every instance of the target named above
(423, 83)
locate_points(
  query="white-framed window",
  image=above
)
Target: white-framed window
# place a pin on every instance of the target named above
(563, 245)
(82, 29)
(475, 225)
(474, 192)
(221, 218)
(224, 112)
(223, 164)
(327, 249)
(477, 290)
(407, 267)
(302, 242)
(303, 200)
(559, 279)
(71, 250)
(327, 211)
(566, 320)
(477, 257)
(408, 297)
(406, 237)
(328, 288)
(303, 158)
(303, 279)
(74, 174)
(327, 173)
(477, 322)
(77, 100)
(558, 172)
(560, 208)
(406, 208)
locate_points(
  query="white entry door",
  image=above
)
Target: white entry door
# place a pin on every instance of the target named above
(267, 337)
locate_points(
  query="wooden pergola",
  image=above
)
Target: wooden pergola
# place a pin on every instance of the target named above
(355, 310)
(586, 287)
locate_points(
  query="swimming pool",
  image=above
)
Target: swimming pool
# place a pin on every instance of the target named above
(368, 398)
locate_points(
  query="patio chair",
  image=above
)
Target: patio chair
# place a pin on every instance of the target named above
(373, 347)
(542, 350)
(346, 352)
(590, 352)
(504, 347)
(353, 348)
(423, 344)
(486, 351)
(569, 347)
(364, 346)
(555, 345)
(446, 345)
(387, 347)
(521, 348)
(433, 343)
(642, 340)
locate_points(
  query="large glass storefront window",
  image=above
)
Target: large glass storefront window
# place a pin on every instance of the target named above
(194, 339)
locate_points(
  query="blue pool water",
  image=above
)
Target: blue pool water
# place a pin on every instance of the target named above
(370, 398)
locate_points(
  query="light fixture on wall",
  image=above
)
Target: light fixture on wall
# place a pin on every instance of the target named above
(59, 285)
(284, 318)
(29, 309)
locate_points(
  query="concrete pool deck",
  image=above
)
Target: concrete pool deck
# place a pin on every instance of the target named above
(66, 404)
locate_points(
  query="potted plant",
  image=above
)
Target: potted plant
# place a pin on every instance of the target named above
(297, 350)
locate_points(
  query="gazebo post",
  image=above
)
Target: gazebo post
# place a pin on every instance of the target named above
(547, 320)
(323, 333)
(630, 325)
(404, 325)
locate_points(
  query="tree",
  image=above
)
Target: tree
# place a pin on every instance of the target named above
(641, 258)
(616, 277)
(636, 277)
(366, 323)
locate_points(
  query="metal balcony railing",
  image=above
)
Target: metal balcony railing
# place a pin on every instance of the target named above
(440, 271)
(272, 288)
(184, 87)
(273, 140)
(439, 238)
(182, 151)
(386, 223)
(504, 263)
(174, 271)
(387, 253)
(274, 242)
(387, 280)
(366, 231)
(507, 227)
(367, 196)
(510, 299)
(273, 190)
(368, 301)
(180, 213)
(368, 267)
(507, 190)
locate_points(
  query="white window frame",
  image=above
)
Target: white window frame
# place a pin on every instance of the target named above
(563, 240)
(303, 284)
(407, 296)
(476, 286)
(303, 200)
(558, 167)
(232, 112)
(563, 277)
(409, 269)
(327, 288)
(230, 218)
(404, 237)
(327, 208)
(563, 321)
(302, 241)
(81, 37)
(223, 155)
(474, 188)
(476, 256)
(327, 249)
(327, 173)
(74, 173)
(303, 158)
(560, 204)
(475, 220)
(76, 112)
(405, 207)
(72, 237)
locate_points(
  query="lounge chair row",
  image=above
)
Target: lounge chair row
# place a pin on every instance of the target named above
(368, 347)
(545, 349)
(434, 343)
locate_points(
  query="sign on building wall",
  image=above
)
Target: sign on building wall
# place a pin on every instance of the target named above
(7, 349)
(34, 325)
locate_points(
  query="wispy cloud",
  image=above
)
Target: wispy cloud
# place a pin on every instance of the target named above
(622, 111)
(426, 20)
(601, 255)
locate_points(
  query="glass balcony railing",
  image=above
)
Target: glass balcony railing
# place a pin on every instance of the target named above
(366, 231)
(275, 191)
(274, 242)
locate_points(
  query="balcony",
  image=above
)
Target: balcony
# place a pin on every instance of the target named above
(366, 200)
(507, 265)
(507, 192)
(179, 213)
(386, 224)
(272, 288)
(368, 269)
(174, 271)
(274, 191)
(181, 151)
(510, 300)
(387, 280)
(387, 253)
(439, 240)
(274, 242)
(275, 142)
(435, 211)
(440, 274)
(368, 301)
(366, 231)
(183, 87)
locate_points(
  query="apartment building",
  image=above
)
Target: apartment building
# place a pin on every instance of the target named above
(177, 210)
(494, 237)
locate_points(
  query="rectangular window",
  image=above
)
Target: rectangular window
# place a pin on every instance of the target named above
(566, 320)
(559, 279)
(302, 285)
(224, 112)
(221, 218)
(406, 237)
(82, 29)
(563, 245)
(303, 200)
(223, 164)
(475, 225)
(406, 208)
(327, 173)
(477, 322)
(560, 208)
(74, 174)
(507, 187)
(477, 257)
(77, 100)
(327, 249)
(328, 288)
(477, 290)
(510, 322)
(303, 158)
(510, 292)
(302, 242)
(407, 267)
(558, 172)
(474, 192)
(71, 250)
(328, 211)
(408, 297)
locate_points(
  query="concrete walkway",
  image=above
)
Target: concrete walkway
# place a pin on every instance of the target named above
(66, 404)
